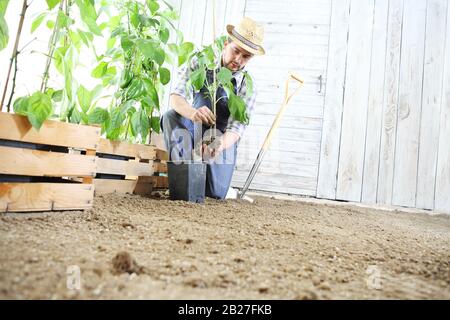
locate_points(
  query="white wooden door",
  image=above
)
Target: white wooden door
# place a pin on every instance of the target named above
(296, 39)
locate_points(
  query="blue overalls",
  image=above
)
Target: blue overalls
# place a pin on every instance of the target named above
(218, 172)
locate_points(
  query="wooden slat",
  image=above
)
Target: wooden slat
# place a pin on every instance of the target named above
(123, 167)
(376, 99)
(442, 201)
(160, 167)
(127, 149)
(29, 162)
(409, 104)
(387, 148)
(431, 102)
(351, 153)
(18, 128)
(161, 155)
(337, 54)
(160, 182)
(45, 196)
(105, 186)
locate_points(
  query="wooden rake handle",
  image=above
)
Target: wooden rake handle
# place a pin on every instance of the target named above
(287, 98)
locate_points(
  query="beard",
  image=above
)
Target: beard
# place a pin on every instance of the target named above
(231, 65)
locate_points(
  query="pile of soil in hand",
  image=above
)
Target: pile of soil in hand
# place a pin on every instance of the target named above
(142, 248)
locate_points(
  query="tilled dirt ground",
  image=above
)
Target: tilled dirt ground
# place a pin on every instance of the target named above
(129, 247)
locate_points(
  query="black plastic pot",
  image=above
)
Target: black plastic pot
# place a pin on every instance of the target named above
(187, 181)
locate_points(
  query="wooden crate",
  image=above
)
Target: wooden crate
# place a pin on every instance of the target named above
(129, 168)
(37, 168)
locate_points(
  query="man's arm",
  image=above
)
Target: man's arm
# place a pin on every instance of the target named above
(183, 108)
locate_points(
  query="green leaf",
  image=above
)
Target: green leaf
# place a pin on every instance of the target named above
(84, 98)
(3, 6)
(20, 106)
(110, 75)
(208, 51)
(151, 50)
(145, 124)
(59, 58)
(248, 84)
(100, 70)
(148, 104)
(164, 75)
(37, 22)
(117, 117)
(164, 35)
(98, 116)
(135, 123)
(75, 116)
(52, 3)
(69, 83)
(57, 96)
(63, 20)
(136, 89)
(89, 15)
(134, 17)
(84, 36)
(224, 76)
(153, 6)
(184, 51)
(236, 106)
(126, 42)
(198, 78)
(50, 24)
(39, 109)
(4, 33)
(152, 93)
(155, 124)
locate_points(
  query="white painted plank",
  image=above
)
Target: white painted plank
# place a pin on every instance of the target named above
(442, 193)
(176, 4)
(288, 122)
(431, 102)
(235, 10)
(375, 106)
(409, 106)
(387, 148)
(326, 186)
(351, 154)
(220, 11)
(277, 180)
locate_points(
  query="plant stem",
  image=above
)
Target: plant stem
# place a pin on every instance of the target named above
(51, 49)
(8, 106)
(14, 54)
(214, 71)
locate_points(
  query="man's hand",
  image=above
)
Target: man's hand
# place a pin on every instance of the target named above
(213, 150)
(203, 115)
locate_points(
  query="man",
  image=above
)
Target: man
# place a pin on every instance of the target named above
(244, 42)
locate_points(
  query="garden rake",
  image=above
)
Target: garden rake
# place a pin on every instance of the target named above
(275, 124)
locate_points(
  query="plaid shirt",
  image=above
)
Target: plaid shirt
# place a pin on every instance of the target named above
(187, 92)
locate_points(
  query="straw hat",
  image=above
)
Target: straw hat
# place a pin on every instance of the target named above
(248, 35)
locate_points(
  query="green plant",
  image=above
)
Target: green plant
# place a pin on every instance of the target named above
(143, 33)
(132, 71)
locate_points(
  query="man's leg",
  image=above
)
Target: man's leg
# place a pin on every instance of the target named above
(219, 174)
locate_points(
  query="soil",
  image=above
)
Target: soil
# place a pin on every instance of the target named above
(131, 247)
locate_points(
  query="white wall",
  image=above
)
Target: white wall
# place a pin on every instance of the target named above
(387, 109)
